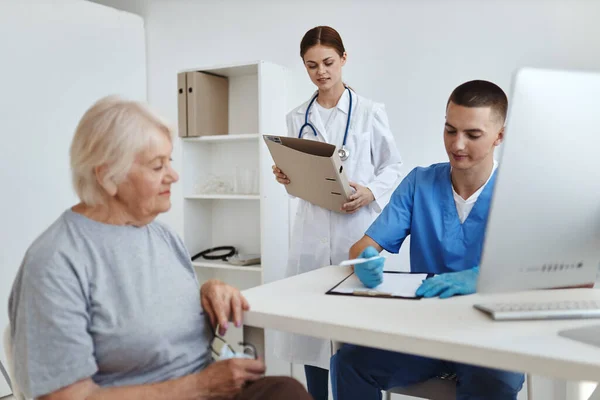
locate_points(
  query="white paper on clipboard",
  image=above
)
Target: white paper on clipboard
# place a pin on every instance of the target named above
(402, 285)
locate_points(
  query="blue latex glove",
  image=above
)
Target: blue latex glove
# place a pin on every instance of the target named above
(370, 273)
(450, 284)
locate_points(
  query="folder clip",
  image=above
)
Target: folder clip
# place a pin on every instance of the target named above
(370, 292)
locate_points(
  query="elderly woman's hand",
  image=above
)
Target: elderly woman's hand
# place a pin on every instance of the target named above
(226, 379)
(222, 303)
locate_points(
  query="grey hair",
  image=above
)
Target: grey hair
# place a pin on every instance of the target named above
(111, 133)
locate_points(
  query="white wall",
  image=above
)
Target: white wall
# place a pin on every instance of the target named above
(408, 54)
(57, 58)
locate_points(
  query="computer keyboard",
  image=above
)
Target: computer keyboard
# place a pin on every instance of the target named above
(546, 310)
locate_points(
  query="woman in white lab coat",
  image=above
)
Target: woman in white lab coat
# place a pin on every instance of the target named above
(372, 164)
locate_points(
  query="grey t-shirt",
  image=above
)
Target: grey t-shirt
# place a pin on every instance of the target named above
(119, 304)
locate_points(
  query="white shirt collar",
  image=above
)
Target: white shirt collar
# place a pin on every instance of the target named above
(341, 105)
(473, 198)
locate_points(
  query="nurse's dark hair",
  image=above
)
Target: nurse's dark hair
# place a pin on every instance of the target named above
(324, 35)
(480, 93)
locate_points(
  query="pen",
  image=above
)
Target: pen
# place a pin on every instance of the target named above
(359, 260)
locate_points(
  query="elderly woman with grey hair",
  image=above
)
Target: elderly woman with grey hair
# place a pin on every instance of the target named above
(106, 304)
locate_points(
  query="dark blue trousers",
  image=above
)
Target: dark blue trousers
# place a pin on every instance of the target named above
(317, 382)
(361, 373)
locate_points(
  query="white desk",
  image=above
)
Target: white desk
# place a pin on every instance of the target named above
(448, 329)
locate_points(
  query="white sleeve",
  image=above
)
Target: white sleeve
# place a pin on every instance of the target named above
(385, 158)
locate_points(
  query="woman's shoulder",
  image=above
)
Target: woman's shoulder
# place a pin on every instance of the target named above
(369, 105)
(432, 173)
(168, 234)
(57, 250)
(54, 238)
(163, 229)
(298, 110)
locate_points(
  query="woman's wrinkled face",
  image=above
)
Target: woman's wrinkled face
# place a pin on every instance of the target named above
(146, 191)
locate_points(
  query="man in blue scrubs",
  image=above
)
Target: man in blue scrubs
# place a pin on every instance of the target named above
(444, 208)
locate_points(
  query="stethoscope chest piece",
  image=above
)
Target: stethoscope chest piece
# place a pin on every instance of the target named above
(343, 153)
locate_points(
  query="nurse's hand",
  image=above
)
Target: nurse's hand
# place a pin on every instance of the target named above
(222, 303)
(450, 284)
(280, 176)
(370, 273)
(360, 198)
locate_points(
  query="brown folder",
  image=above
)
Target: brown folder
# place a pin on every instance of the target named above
(182, 103)
(314, 168)
(207, 104)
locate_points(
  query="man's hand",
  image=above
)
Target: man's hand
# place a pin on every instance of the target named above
(450, 284)
(370, 273)
(360, 198)
(222, 303)
(226, 379)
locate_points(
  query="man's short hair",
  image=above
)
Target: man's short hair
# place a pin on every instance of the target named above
(480, 93)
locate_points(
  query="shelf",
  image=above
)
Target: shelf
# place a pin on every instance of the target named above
(223, 138)
(218, 196)
(230, 196)
(229, 70)
(225, 265)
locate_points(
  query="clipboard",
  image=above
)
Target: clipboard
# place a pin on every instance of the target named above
(314, 168)
(398, 287)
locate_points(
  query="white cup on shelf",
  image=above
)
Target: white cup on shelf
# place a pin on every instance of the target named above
(245, 180)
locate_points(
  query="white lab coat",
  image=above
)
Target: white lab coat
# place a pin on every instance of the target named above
(321, 237)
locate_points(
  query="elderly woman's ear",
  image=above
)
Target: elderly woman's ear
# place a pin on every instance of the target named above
(107, 183)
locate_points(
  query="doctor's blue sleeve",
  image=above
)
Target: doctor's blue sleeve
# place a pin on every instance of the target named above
(393, 224)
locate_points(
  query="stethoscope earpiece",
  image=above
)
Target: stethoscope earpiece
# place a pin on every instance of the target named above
(343, 151)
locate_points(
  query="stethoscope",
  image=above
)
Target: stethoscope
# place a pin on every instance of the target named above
(343, 152)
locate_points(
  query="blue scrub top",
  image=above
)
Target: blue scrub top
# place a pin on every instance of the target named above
(423, 206)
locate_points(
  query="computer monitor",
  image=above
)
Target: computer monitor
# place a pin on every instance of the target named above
(543, 229)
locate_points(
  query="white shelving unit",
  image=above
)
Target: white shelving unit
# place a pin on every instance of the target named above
(225, 265)
(255, 222)
(224, 138)
(218, 196)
